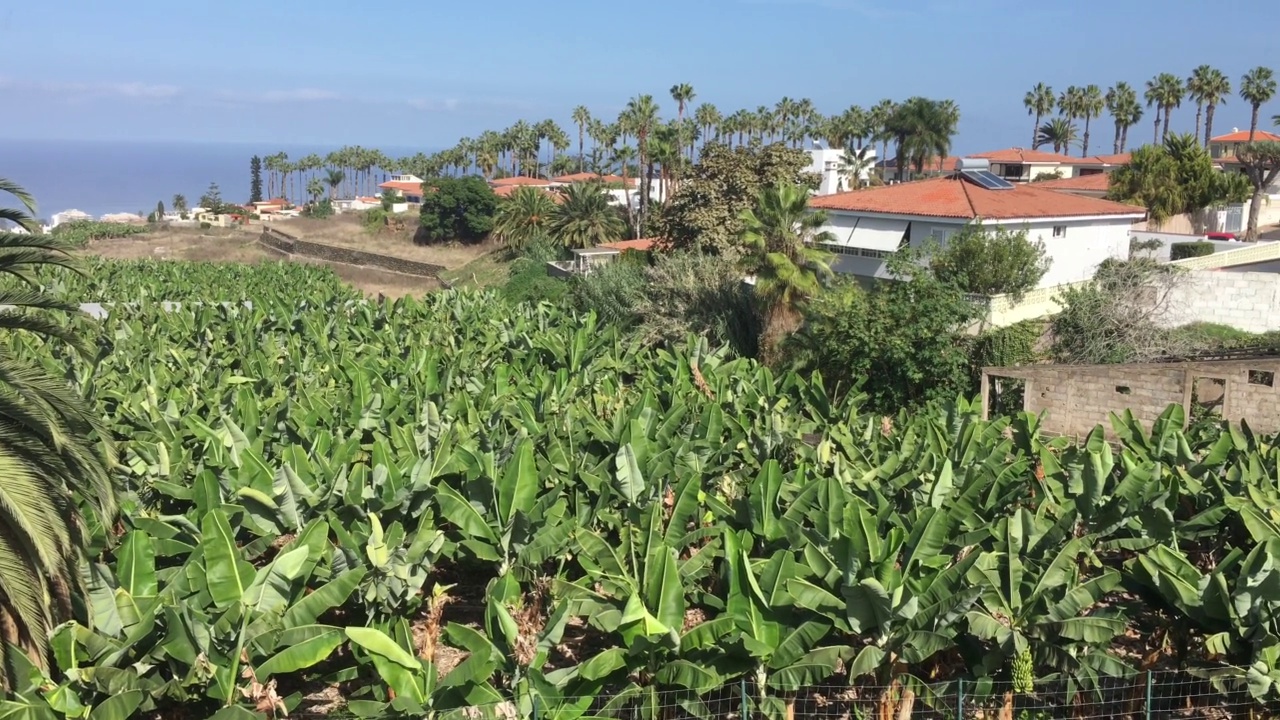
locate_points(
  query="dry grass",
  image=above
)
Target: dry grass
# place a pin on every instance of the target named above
(228, 245)
(347, 230)
(487, 270)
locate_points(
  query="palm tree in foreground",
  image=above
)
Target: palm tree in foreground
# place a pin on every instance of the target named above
(50, 459)
(524, 216)
(585, 218)
(1257, 87)
(781, 235)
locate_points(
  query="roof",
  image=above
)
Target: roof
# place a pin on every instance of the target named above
(1097, 182)
(1119, 159)
(1240, 136)
(273, 201)
(404, 187)
(1020, 155)
(509, 190)
(590, 177)
(946, 164)
(519, 180)
(951, 197)
(641, 244)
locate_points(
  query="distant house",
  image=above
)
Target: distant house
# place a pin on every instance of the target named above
(1091, 185)
(612, 180)
(67, 216)
(586, 260)
(871, 225)
(1019, 165)
(406, 186)
(270, 207)
(1223, 147)
(826, 162)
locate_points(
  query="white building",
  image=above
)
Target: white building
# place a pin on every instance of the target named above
(826, 162)
(1078, 232)
(408, 186)
(67, 216)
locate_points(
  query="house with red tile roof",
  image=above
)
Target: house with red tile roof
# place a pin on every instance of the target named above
(1091, 185)
(594, 177)
(407, 186)
(1223, 149)
(585, 260)
(1019, 165)
(1078, 232)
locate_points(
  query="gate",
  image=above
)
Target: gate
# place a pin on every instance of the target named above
(1235, 218)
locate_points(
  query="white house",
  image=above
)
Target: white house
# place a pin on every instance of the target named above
(67, 216)
(826, 162)
(1078, 232)
(408, 186)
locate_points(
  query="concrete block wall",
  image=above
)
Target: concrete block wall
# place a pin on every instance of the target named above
(1248, 301)
(280, 242)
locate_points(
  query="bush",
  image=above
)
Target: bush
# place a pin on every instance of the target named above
(205, 225)
(615, 291)
(320, 210)
(529, 282)
(458, 209)
(1184, 250)
(374, 219)
(991, 261)
(688, 292)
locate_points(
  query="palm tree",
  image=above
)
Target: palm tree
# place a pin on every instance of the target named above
(582, 118)
(683, 94)
(781, 235)
(1166, 92)
(1198, 88)
(639, 117)
(1060, 133)
(854, 165)
(585, 218)
(878, 124)
(1257, 87)
(1090, 105)
(334, 178)
(179, 204)
(1071, 103)
(708, 118)
(524, 216)
(1039, 102)
(315, 188)
(1126, 111)
(50, 458)
(922, 129)
(1215, 91)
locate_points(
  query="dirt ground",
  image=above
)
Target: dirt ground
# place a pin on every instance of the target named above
(218, 245)
(347, 231)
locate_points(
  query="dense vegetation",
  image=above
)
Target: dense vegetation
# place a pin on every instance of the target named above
(457, 501)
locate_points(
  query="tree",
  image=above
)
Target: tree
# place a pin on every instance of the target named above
(1090, 106)
(922, 129)
(1126, 111)
(1174, 178)
(315, 188)
(781, 236)
(255, 179)
(683, 94)
(333, 178)
(1119, 316)
(706, 212)
(179, 205)
(159, 210)
(990, 261)
(581, 118)
(523, 216)
(709, 120)
(1060, 133)
(854, 166)
(1257, 87)
(1261, 163)
(1208, 87)
(460, 209)
(878, 120)
(1071, 103)
(584, 218)
(1165, 91)
(211, 200)
(1039, 102)
(639, 118)
(55, 451)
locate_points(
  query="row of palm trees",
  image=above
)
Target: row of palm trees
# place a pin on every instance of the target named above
(1206, 86)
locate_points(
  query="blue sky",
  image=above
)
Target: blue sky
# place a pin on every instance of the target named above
(423, 73)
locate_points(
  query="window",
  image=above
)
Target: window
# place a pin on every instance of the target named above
(1059, 230)
(1262, 377)
(1123, 390)
(1011, 172)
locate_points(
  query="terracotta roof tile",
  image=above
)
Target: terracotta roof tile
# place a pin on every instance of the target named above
(519, 180)
(1241, 136)
(405, 187)
(503, 191)
(1021, 155)
(951, 197)
(1099, 182)
(641, 244)
(589, 177)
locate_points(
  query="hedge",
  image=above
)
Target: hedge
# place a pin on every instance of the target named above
(1184, 250)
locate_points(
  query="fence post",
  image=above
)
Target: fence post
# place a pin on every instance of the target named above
(960, 700)
(742, 695)
(1147, 710)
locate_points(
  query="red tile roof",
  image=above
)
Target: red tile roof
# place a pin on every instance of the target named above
(1120, 159)
(503, 191)
(411, 188)
(1097, 182)
(519, 180)
(1241, 136)
(1020, 155)
(642, 244)
(589, 177)
(951, 197)
(273, 201)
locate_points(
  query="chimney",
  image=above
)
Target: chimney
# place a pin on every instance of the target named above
(1235, 130)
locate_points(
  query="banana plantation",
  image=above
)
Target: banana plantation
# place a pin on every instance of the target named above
(452, 506)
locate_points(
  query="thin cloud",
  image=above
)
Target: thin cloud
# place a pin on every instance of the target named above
(77, 91)
(861, 7)
(298, 95)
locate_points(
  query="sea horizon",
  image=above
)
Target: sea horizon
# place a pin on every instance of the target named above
(114, 176)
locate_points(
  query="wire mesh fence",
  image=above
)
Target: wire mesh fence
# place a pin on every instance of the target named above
(1157, 695)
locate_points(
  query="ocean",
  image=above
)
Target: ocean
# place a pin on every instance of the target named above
(109, 177)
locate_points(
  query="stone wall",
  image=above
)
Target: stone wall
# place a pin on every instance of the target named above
(278, 241)
(1076, 398)
(1248, 301)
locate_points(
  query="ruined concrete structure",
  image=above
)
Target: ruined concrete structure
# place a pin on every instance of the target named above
(1076, 398)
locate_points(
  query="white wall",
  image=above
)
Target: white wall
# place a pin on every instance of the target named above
(825, 162)
(1248, 301)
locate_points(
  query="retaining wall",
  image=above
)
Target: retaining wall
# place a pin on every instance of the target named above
(274, 239)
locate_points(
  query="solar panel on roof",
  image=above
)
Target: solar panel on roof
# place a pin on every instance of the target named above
(986, 179)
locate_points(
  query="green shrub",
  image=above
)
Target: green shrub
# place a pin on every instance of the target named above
(529, 282)
(205, 225)
(80, 232)
(1184, 250)
(615, 291)
(374, 219)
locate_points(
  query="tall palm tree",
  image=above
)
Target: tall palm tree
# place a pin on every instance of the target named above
(1197, 83)
(1166, 92)
(922, 129)
(315, 188)
(1058, 133)
(709, 119)
(878, 122)
(334, 178)
(640, 117)
(54, 453)
(585, 218)
(1122, 103)
(523, 216)
(1039, 102)
(781, 235)
(1090, 105)
(683, 94)
(1071, 103)
(582, 118)
(179, 204)
(1215, 91)
(1257, 87)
